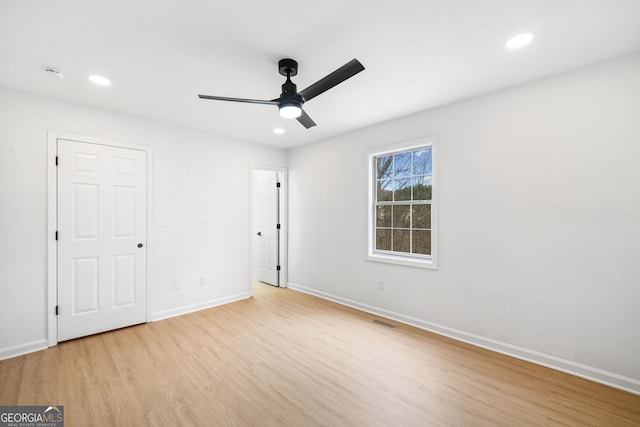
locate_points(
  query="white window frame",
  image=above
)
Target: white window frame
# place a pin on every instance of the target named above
(397, 258)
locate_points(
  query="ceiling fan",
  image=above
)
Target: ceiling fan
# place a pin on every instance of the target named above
(290, 101)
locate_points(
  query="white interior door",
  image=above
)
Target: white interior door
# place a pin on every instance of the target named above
(102, 214)
(267, 225)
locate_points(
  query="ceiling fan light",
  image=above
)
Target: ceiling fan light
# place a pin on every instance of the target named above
(290, 110)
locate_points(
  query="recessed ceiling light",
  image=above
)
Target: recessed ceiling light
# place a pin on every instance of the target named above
(521, 40)
(54, 72)
(99, 80)
(278, 131)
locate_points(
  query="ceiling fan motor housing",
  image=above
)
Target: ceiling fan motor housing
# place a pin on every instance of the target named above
(289, 91)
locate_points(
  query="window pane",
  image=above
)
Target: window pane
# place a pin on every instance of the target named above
(383, 216)
(422, 162)
(422, 187)
(384, 168)
(401, 218)
(383, 239)
(401, 240)
(421, 216)
(402, 165)
(403, 189)
(384, 191)
(421, 242)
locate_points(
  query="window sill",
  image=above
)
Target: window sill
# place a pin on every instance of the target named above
(406, 261)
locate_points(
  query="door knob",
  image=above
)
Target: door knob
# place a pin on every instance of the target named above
(140, 245)
(259, 233)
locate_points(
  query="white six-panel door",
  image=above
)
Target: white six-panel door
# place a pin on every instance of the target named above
(267, 198)
(102, 214)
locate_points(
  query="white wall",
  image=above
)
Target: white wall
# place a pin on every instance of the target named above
(200, 191)
(539, 222)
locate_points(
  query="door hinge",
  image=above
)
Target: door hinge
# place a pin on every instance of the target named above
(278, 184)
(56, 310)
(56, 235)
(56, 160)
(278, 226)
(278, 268)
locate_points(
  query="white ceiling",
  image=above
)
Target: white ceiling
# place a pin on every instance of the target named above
(418, 54)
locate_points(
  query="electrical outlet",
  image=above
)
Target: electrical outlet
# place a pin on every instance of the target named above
(177, 284)
(381, 285)
(202, 281)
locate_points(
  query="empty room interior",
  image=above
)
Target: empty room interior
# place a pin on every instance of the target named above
(279, 213)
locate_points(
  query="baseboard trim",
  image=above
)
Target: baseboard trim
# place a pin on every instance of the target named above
(179, 311)
(19, 350)
(590, 373)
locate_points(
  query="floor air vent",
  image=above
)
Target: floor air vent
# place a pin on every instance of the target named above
(386, 325)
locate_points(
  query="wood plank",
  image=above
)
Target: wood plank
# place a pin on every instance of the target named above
(284, 358)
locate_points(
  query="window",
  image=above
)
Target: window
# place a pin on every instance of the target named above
(402, 215)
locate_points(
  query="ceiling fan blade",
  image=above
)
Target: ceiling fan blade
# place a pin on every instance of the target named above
(305, 120)
(249, 101)
(348, 70)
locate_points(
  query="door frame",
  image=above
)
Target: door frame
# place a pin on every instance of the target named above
(52, 220)
(284, 222)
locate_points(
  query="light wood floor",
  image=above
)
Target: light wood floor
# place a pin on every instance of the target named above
(288, 359)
